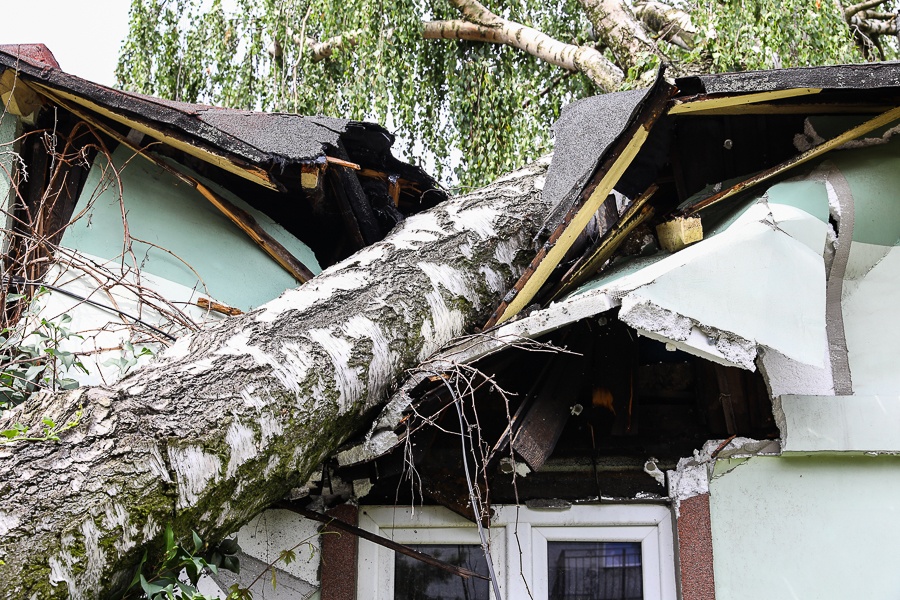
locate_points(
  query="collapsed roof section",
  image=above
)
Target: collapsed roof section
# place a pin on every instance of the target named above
(684, 147)
(744, 226)
(332, 182)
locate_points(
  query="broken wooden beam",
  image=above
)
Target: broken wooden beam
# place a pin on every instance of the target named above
(331, 160)
(309, 175)
(543, 423)
(881, 120)
(637, 212)
(703, 104)
(381, 541)
(235, 214)
(604, 179)
(679, 232)
(209, 304)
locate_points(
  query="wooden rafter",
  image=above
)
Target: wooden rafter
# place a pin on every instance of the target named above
(241, 218)
(881, 120)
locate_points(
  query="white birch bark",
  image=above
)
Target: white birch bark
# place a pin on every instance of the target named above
(230, 419)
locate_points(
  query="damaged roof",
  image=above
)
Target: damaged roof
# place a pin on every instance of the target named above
(755, 227)
(332, 183)
(266, 140)
(668, 128)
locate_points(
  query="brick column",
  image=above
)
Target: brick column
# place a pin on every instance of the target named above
(695, 549)
(339, 557)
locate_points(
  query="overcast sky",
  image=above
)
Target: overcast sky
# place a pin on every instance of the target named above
(84, 35)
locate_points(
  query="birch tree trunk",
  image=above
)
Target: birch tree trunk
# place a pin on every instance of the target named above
(228, 420)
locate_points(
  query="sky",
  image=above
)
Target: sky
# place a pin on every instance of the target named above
(84, 35)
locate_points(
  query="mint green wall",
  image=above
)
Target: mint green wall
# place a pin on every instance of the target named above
(8, 127)
(171, 214)
(807, 527)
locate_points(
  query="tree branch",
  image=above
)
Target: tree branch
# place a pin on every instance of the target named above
(874, 27)
(855, 8)
(872, 14)
(481, 25)
(671, 24)
(627, 38)
(321, 50)
(568, 56)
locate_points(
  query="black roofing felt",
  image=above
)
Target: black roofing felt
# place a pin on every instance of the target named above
(254, 136)
(845, 77)
(582, 134)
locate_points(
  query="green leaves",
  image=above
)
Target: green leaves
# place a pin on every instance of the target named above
(467, 111)
(765, 34)
(50, 430)
(32, 357)
(128, 358)
(164, 581)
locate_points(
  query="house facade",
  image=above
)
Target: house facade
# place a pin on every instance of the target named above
(692, 393)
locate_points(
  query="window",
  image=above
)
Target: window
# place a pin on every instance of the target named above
(601, 552)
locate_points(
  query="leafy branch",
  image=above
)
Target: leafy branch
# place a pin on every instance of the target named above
(50, 430)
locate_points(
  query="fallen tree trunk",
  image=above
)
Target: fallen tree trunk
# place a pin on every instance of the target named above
(228, 420)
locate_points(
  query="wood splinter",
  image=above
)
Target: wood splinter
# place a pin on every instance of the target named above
(208, 304)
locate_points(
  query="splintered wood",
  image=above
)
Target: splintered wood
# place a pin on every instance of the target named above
(207, 304)
(678, 233)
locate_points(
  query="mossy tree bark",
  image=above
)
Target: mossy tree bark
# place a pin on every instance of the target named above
(228, 420)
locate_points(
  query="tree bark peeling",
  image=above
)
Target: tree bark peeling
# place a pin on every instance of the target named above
(621, 31)
(229, 419)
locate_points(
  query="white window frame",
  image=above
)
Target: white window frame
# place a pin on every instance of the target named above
(520, 535)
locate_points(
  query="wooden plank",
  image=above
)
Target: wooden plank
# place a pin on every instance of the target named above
(851, 134)
(707, 103)
(562, 239)
(235, 214)
(341, 163)
(213, 157)
(545, 420)
(819, 108)
(639, 211)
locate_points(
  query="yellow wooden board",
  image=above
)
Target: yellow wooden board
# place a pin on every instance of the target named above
(222, 161)
(724, 102)
(851, 134)
(576, 226)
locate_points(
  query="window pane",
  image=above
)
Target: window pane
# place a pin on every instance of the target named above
(594, 570)
(415, 580)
